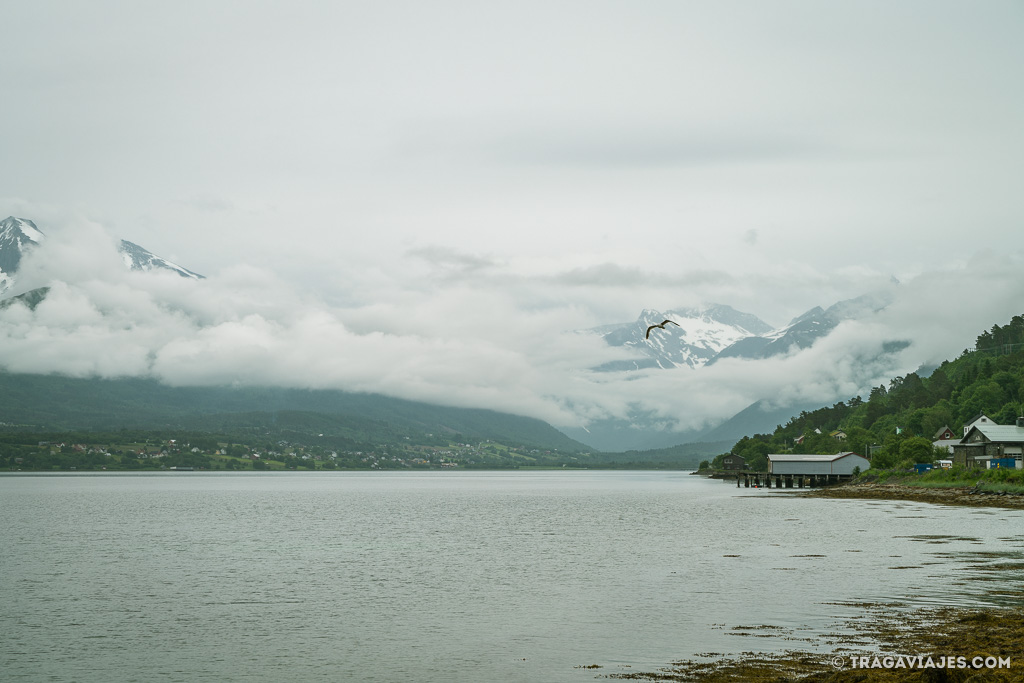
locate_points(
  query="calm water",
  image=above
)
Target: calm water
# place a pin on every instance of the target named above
(453, 576)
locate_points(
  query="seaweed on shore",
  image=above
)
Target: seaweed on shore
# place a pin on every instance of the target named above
(971, 634)
(966, 496)
(893, 630)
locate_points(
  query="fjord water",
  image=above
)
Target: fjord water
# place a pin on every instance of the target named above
(446, 576)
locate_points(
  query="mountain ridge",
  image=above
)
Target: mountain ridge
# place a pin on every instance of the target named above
(60, 402)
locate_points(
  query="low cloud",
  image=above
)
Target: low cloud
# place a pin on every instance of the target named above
(491, 339)
(656, 144)
(446, 259)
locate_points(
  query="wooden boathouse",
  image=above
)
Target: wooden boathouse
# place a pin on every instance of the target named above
(791, 470)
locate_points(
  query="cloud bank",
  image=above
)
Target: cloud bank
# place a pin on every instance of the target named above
(464, 330)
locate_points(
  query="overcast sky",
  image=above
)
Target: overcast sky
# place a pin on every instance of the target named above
(432, 196)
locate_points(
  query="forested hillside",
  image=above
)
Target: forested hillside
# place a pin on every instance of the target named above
(899, 421)
(56, 403)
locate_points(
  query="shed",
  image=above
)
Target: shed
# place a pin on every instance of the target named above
(839, 463)
(733, 462)
(946, 444)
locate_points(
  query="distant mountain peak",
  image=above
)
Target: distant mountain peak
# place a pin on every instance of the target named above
(138, 258)
(12, 226)
(16, 236)
(814, 313)
(806, 329)
(701, 334)
(20, 235)
(710, 332)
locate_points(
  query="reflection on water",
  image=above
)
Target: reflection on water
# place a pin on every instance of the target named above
(454, 576)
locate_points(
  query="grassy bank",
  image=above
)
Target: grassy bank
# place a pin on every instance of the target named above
(957, 486)
(982, 479)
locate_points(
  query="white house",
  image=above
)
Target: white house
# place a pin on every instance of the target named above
(979, 419)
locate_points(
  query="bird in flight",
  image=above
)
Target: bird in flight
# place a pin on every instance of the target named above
(662, 326)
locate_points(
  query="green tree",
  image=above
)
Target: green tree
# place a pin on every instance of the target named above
(984, 396)
(916, 449)
(876, 406)
(936, 417)
(1008, 415)
(939, 386)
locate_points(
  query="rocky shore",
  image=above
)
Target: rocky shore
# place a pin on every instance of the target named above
(868, 649)
(941, 645)
(967, 495)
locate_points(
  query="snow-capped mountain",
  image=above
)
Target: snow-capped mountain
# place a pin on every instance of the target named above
(20, 235)
(708, 334)
(805, 329)
(704, 336)
(16, 236)
(699, 335)
(137, 258)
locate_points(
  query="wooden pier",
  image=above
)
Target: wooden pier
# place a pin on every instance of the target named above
(767, 480)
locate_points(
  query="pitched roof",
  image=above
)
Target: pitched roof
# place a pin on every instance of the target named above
(1000, 433)
(801, 457)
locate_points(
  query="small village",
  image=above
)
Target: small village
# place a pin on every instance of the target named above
(984, 445)
(202, 452)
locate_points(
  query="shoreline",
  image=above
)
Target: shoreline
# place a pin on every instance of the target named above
(897, 643)
(941, 644)
(961, 495)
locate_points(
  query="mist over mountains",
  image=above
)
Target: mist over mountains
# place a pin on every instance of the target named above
(705, 335)
(20, 236)
(700, 336)
(83, 304)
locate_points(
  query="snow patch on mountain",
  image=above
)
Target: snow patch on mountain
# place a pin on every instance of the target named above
(138, 258)
(699, 335)
(16, 236)
(19, 236)
(806, 329)
(710, 333)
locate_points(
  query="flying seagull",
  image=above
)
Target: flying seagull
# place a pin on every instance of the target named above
(662, 326)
